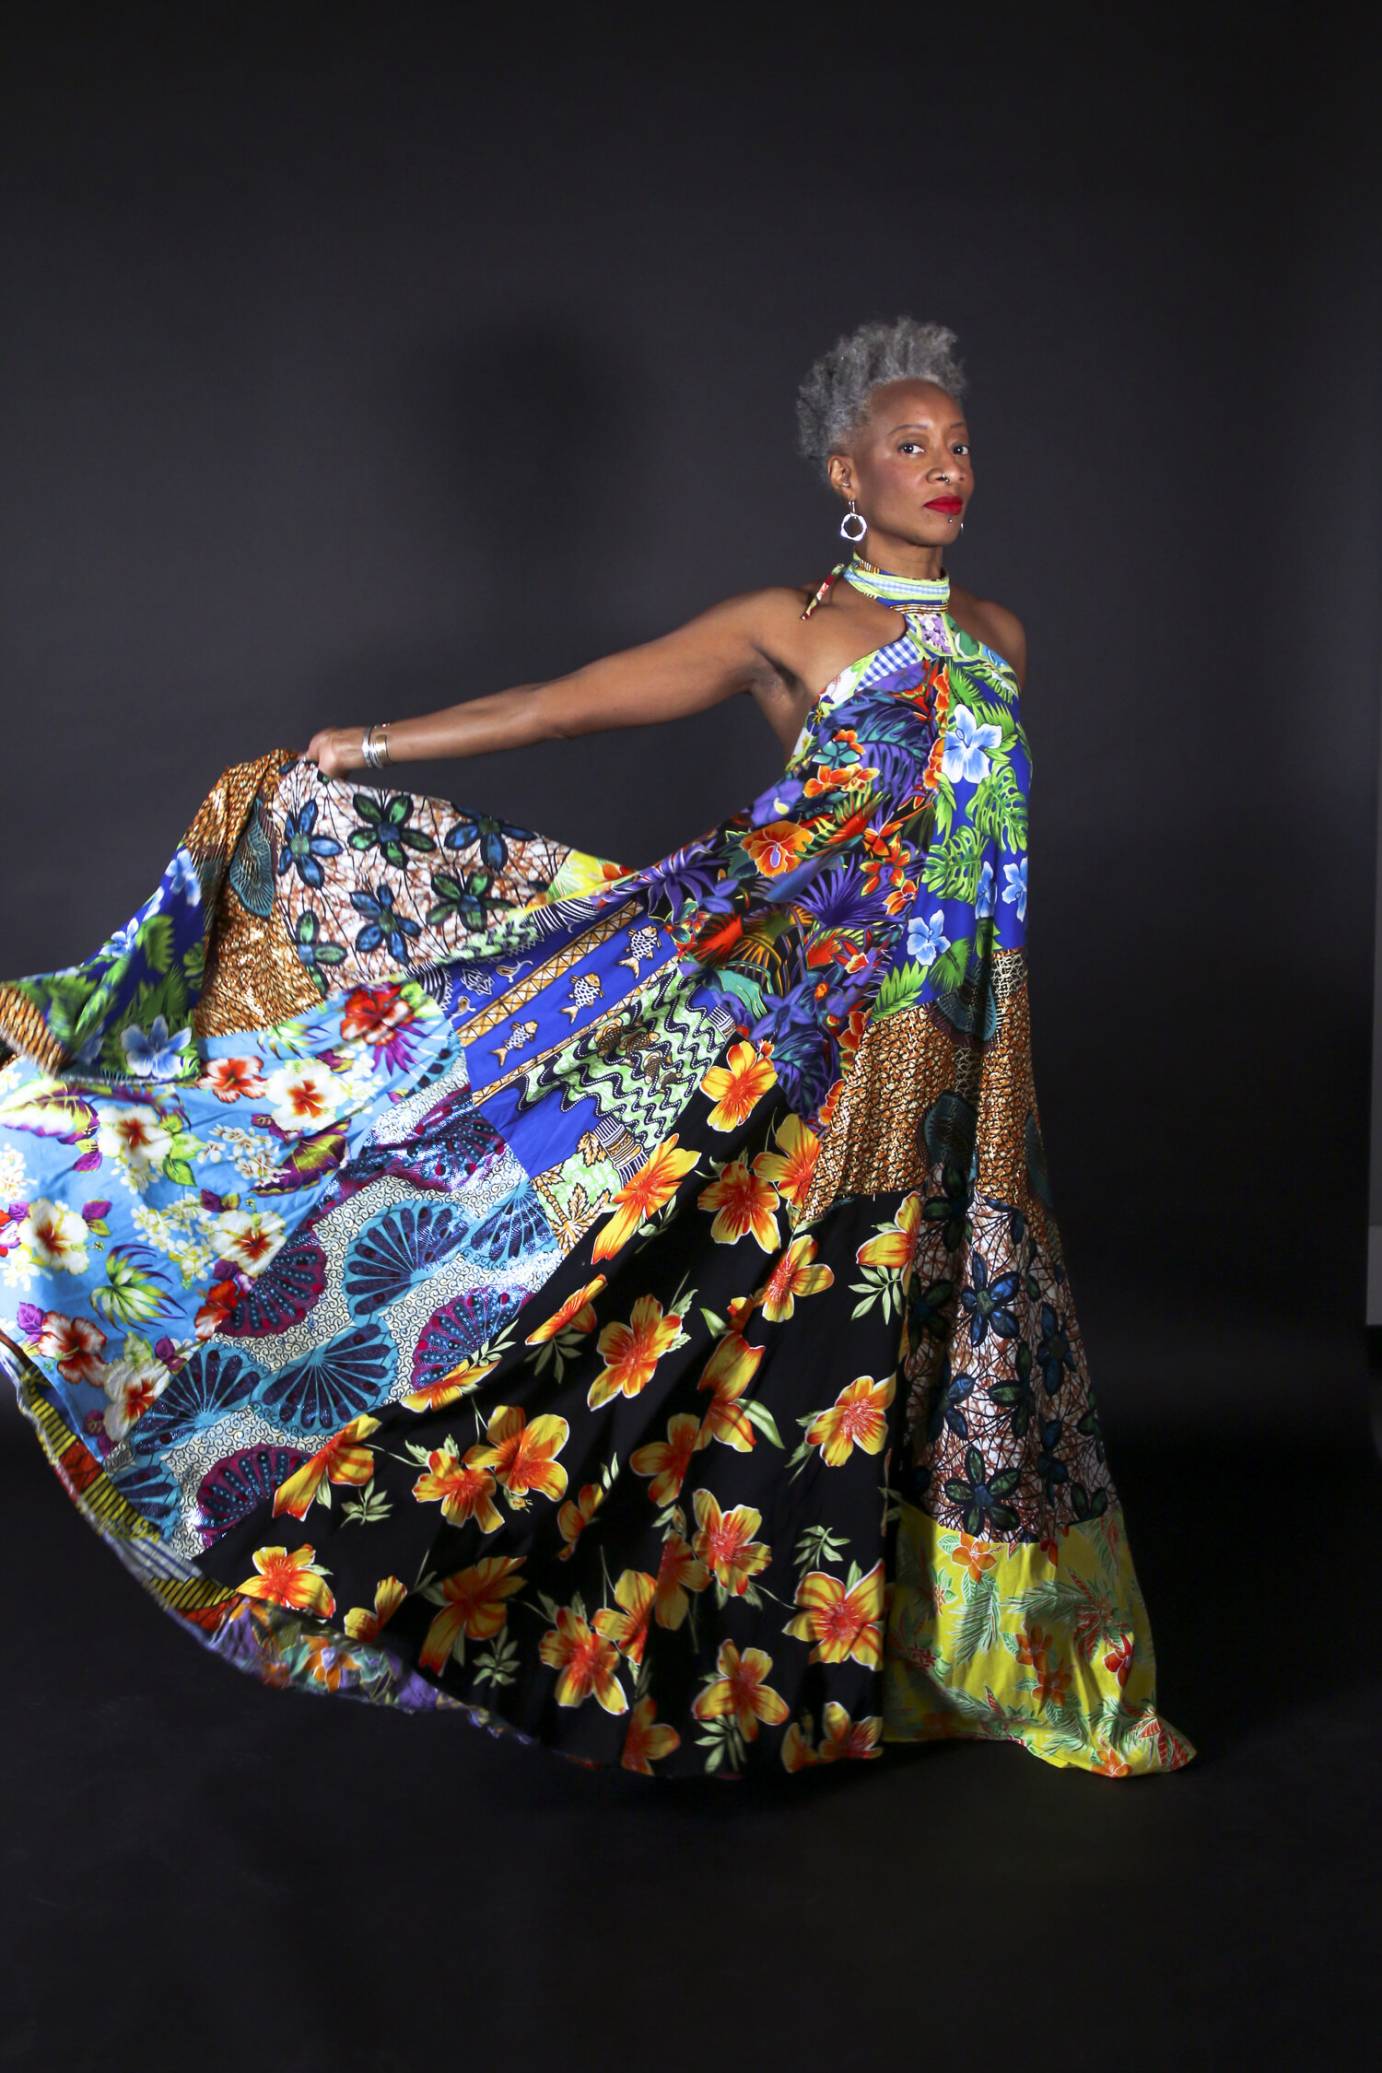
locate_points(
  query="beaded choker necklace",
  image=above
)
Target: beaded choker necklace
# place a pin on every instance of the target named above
(904, 593)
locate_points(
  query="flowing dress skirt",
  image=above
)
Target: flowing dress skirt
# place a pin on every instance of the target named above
(625, 1306)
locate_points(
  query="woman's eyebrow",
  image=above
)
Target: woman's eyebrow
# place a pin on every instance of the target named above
(921, 425)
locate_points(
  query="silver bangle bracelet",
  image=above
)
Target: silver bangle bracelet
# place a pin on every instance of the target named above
(375, 754)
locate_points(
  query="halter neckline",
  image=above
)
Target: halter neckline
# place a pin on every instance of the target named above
(905, 593)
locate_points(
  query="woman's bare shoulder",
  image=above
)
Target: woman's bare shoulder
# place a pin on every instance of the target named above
(997, 625)
(772, 619)
(771, 604)
(780, 613)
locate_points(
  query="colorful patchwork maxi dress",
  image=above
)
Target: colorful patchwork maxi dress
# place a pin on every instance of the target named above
(623, 1306)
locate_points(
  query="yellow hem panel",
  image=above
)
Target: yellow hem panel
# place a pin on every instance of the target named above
(1046, 1643)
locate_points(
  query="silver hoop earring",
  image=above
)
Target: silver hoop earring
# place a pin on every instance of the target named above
(844, 523)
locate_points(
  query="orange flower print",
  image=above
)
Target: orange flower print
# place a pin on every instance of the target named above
(741, 1689)
(454, 1384)
(1052, 1682)
(844, 1737)
(627, 1627)
(972, 1555)
(588, 1663)
(374, 1013)
(342, 1460)
(850, 1038)
(679, 1571)
(233, 1079)
(798, 1750)
(632, 1351)
(464, 1492)
(857, 1418)
(1032, 1644)
(363, 1625)
(1110, 1762)
(795, 1274)
(1119, 1660)
(472, 1602)
(327, 1660)
(725, 1542)
(844, 769)
(727, 1374)
(651, 1188)
(667, 1461)
(522, 1456)
(742, 1204)
(894, 1245)
(885, 860)
(777, 847)
(647, 1738)
(737, 1086)
(576, 1514)
(791, 1168)
(840, 1621)
(578, 1312)
(738, 1311)
(297, 1580)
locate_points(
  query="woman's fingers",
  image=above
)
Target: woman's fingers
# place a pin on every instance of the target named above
(335, 750)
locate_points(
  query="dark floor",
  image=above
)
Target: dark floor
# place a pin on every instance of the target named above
(206, 1873)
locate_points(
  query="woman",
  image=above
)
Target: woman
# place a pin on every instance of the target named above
(626, 1306)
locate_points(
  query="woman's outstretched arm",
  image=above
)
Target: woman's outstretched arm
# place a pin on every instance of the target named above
(707, 659)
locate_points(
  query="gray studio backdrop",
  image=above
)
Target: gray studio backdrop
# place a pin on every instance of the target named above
(358, 376)
(1374, 1287)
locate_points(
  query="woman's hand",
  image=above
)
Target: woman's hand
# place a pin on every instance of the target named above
(335, 749)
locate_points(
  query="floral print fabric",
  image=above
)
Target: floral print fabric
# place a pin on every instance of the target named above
(624, 1306)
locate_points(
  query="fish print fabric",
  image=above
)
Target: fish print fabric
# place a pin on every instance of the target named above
(625, 1307)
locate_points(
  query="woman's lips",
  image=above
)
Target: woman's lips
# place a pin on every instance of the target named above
(944, 504)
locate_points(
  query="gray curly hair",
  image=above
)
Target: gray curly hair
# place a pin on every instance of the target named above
(833, 400)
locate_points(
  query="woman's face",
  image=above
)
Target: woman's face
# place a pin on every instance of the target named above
(912, 450)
